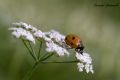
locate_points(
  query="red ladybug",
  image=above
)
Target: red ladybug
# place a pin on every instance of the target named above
(74, 42)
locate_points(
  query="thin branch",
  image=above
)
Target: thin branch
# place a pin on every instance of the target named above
(33, 51)
(60, 61)
(29, 49)
(46, 57)
(43, 56)
(29, 74)
(40, 47)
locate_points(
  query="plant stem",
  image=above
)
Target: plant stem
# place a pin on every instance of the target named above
(40, 47)
(29, 49)
(29, 74)
(43, 56)
(46, 57)
(33, 52)
(61, 61)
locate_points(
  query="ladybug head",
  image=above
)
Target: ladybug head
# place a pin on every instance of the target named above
(80, 48)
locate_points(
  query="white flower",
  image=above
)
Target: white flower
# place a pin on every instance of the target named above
(89, 68)
(38, 34)
(29, 37)
(85, 57)
(52, 38)
(80, 66)
(86, 60)
(46, 39)
(24, 26)
(16, 34)
(56, 36)
(33, 29)
(54, 41)
(52, 47)
(22, 33)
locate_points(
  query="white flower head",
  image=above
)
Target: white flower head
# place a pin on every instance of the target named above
(22, 33)
(86, 60)
(54, 41)
(22, 25)
(56, 36)
(84, 57)
(29, 37)
(52, 38)
(47, 39)
(25, 26)
(52, 47)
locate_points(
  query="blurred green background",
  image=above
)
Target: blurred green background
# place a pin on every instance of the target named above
(99, 27)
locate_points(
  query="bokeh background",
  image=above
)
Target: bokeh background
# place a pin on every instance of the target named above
(98, 26)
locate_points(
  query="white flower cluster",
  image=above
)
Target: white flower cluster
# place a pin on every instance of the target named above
(85, 62)
(54, 42)
(53, 39)
(22, 33)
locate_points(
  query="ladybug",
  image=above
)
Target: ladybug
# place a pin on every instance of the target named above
(74, 41)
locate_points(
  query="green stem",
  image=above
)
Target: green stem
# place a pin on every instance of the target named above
(46, 57)
(33, 51)
(29, 74)
(39, 50)
(43, 56)
(29, 49)
(61, 61)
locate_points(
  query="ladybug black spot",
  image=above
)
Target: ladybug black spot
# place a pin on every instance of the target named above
(73, 38)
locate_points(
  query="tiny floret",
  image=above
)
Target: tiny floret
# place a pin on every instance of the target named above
(80, 66)
(39, 34)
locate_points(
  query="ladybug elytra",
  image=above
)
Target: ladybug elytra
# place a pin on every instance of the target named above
(74, 41)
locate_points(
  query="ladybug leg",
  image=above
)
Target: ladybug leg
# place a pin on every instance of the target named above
(77, 49)
(80, 48)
